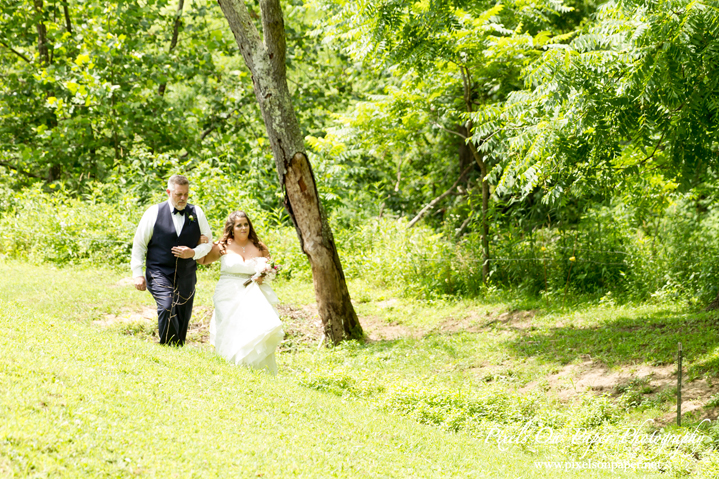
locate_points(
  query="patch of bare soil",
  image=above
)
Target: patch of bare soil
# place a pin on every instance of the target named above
(577, 379)
(695, 396)
(474, 322)
(377, 330)
(146, 313)
(143, 322)
(386, 303)
(198, 331)
(302, 325)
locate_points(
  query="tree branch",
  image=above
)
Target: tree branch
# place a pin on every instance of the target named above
(208, 131)
(41, 34)
(432, 203)
(478, 159)
(463, 226)
(655, 148)
(464, 137)
(467, 82)
(246, 35)
(173, 42)
(178, 22)
(66, 10)
(204, 134)
(19, 170)
(15, 51)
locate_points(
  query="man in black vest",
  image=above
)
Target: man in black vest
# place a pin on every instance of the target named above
(166, 241)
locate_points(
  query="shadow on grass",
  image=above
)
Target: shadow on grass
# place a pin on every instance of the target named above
(650, 338)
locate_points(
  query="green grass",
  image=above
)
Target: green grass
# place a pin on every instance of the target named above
(78, 400)
(83, 401)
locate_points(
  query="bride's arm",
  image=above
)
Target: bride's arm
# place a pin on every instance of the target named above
(212, 256)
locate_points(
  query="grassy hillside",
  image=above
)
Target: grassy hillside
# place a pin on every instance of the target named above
(78, 399)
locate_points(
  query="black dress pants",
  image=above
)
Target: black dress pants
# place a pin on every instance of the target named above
(174, 303)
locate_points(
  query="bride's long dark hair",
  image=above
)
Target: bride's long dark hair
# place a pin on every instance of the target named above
(229, 232)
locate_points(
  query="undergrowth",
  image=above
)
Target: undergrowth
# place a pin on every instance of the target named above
(606, 256)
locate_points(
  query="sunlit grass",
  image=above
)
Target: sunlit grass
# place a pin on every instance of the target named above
(392, 405)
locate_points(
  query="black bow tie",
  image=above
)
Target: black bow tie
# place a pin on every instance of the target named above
(179, 212)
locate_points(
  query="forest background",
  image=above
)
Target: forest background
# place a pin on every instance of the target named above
(555, 149)
(524, 190)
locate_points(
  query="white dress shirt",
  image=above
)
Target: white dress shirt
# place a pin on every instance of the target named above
(143, 235)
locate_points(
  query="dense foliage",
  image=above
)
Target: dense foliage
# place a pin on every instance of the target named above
(633, 94)
(571, 144)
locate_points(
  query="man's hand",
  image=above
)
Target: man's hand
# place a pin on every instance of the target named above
(183, 252)
(140, 283)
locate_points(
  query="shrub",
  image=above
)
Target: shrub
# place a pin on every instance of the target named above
(56, 228)
(608, 254)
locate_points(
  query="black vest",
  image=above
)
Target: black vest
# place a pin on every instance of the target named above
(164, 237)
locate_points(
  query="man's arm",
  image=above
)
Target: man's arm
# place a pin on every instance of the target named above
(139, 245)
(202, 249)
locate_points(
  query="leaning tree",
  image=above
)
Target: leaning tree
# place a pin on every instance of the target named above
(265, 58)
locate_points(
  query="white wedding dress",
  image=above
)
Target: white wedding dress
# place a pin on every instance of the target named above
(245, 327)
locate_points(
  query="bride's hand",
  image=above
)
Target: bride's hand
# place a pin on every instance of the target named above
(203, 239)
(259, 280)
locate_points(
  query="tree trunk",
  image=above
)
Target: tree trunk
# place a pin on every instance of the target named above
(173, 42)
(266, 62)
(485, 224)
(464, 153)
(485, 209)
(66, 11)
(42, 46)
(468, 94)
(713, 305)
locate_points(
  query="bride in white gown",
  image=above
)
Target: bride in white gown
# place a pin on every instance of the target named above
(245, 327)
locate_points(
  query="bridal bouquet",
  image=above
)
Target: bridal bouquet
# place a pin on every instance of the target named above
(264, 269)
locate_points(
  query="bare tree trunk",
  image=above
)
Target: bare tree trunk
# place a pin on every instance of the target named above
(399, 175)
(55, 170)
(485, 225)
(266, 62)
(53, 173)
(464, 152)
(175, 36)
(42, 47)
(485, 209)
(479, 159)
(66, 11)
(468, 92)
